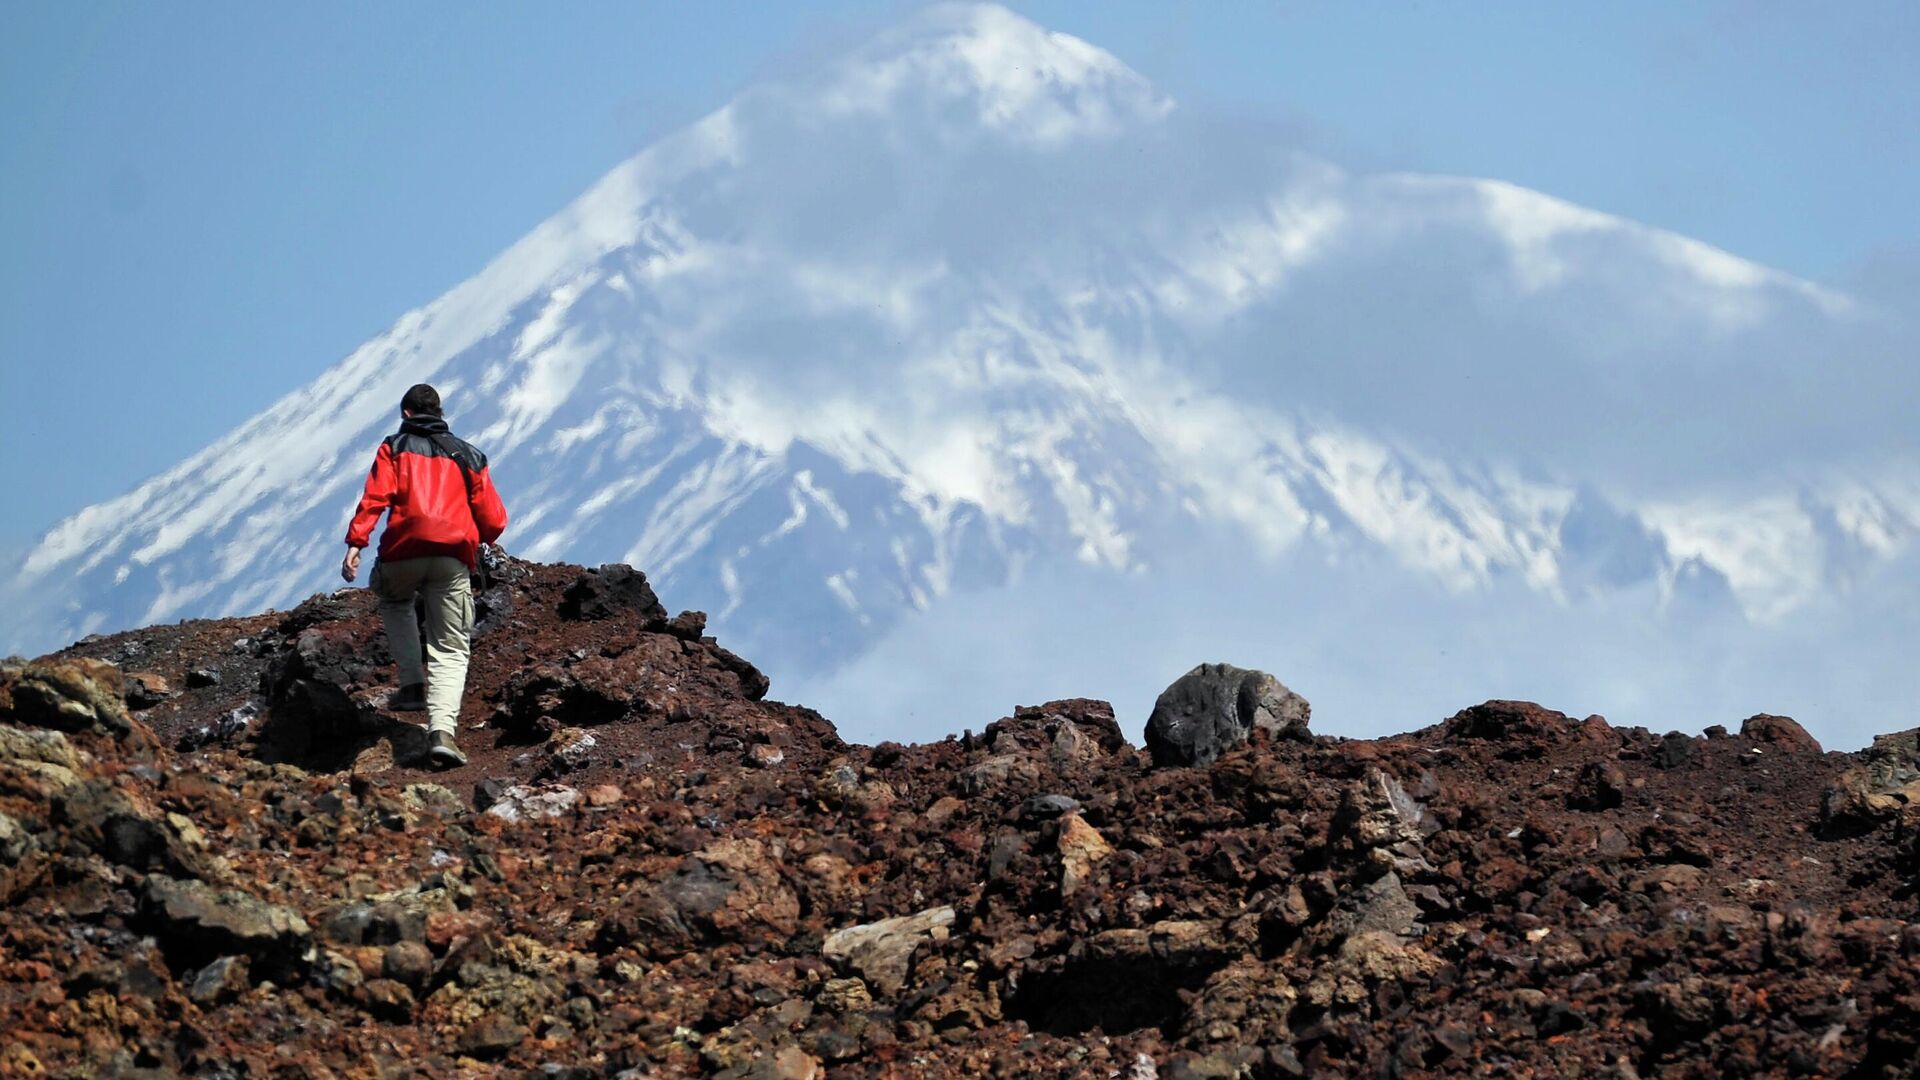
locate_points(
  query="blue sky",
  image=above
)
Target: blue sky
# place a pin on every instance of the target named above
(203, 206)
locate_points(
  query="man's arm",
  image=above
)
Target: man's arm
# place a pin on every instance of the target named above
(489, 513)
(374, 500)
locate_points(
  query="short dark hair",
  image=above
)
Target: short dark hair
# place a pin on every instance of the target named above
(422, 399)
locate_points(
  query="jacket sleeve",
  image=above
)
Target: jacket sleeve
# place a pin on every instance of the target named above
(489, 513)
(374, 500)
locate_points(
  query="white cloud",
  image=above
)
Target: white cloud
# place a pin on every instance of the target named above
(1375, 649)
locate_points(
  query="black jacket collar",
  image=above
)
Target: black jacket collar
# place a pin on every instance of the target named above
(422, 424)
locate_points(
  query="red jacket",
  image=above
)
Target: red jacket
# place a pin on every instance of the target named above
(439, 500)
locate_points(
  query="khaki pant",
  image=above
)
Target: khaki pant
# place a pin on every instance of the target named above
(443, 583)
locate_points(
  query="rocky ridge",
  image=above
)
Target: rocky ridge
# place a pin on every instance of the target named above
(220, 856)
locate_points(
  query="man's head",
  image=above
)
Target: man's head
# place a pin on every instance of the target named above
(421, 400)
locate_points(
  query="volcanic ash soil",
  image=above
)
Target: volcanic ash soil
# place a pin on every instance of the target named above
(221, 855)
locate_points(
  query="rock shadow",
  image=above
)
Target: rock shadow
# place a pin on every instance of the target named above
(1114, 994)
(293, 737)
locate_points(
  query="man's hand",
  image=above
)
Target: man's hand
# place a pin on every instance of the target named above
(350, 566)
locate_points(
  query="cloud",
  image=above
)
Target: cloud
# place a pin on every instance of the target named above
(1377, 651)
(1889, 277)
(1466, 317)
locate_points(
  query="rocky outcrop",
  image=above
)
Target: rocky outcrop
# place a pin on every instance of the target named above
(1216, 707)
(1879, 786)
(1780, 732)
(613, 591)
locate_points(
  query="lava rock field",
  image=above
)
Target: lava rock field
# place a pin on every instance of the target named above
(221, 855)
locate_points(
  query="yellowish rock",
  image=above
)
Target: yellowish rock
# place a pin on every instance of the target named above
(1081, 849)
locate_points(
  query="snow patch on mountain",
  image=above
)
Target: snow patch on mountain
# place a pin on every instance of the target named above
(971, 304)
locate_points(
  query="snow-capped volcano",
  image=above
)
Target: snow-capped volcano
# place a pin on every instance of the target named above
(976, 302)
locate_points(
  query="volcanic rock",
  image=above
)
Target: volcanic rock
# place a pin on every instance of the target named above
(1602, 786)
(1505, 892)
(26, 747)
(144, 690)
(20, 864)
(688, 625)
(1081, 849)
(882, 952)
(15, 841)
(195, 919)
(1676, 749)
(522, 802)
(1779, 731)
(844, 995)
(1047, 807)
(1072, 732)
(490, 1036)
(131, 832)
(611, 591)
(729, 891)
(408, 963)
(842, 786)
(71, 695)
(1243, 1003)
(1520, 720)
(220, 982)
(1214, 708)
(1884, 780)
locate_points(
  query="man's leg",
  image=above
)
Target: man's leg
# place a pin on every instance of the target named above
(449, 596)
(396, 583)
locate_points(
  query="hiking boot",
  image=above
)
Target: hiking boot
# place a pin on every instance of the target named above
(443, 750)
(411, 697)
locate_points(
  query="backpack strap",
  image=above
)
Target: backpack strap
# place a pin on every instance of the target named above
(447, 447)
(484, 579)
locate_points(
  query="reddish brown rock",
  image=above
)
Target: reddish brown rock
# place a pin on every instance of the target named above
(1780, 731)
(446, 927)
(1509, 720)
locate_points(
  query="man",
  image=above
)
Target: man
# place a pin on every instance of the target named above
(441, 507)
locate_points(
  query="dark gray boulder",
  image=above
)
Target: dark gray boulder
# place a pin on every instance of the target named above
(613, 590)
(198, 924)
(1216, 707)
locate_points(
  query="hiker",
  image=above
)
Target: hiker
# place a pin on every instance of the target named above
(441, 507)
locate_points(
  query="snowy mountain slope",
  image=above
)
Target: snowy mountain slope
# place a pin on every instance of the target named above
(976, 298)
